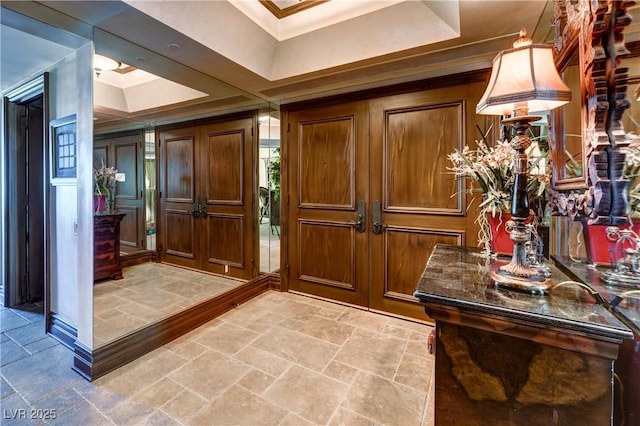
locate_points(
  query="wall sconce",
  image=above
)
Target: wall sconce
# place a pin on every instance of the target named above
(523, 78)
(102, 63)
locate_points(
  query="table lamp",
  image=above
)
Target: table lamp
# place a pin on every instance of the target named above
(523, 78)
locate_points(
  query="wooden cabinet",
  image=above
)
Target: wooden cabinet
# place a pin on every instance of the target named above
(511, 358)
(106, 246)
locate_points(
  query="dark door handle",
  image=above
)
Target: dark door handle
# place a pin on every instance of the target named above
(361, 217)
(203, 207)
(196, 209)
(377, 225)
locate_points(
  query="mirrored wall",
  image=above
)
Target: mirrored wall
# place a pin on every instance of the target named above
(119, 308)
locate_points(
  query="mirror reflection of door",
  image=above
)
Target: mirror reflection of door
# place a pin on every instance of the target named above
(125, 152)
(205, 197)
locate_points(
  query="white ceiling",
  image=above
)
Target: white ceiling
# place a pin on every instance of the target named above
(238, 55)
(203, 56)
(320, 16)
(16, 65)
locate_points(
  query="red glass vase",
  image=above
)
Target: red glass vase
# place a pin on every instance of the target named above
(99, 203)
(501, 242)
(598, 246)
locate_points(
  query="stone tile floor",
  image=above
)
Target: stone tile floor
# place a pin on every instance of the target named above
(148, 293)
(279, 359)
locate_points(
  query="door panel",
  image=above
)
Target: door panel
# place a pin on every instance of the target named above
(180, 168)
(411, 136)
(416, 146)
(327, 151)
(180, 241)
(406, 253)
(329, 253)
(227, 181)
(180, 236)
(130, 227)
(100, 154)
(126, 162)
(329, 256)
(226, 240)
(226, 163)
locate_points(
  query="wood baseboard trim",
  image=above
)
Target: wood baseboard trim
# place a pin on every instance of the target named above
(137, 258)
(274, 282)
(82, 361)
(92, 365)
(62, 331)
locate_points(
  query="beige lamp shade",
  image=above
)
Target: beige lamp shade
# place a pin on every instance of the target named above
(526, 73)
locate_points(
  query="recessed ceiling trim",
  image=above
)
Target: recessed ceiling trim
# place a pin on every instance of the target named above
(125, 69)
(290, 10)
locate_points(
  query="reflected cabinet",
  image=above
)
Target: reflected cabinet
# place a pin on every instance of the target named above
(587, 133)
(106, 246)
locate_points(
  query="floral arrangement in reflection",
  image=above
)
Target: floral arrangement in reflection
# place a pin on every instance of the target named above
(103, 179)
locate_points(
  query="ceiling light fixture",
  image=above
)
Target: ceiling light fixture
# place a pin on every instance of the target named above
(102, 64)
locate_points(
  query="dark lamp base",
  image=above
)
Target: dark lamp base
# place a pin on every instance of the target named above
(536, 284)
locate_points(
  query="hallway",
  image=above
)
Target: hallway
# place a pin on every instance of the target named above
(279, 359)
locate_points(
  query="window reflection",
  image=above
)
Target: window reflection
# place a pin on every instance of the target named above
(150, 188)
(269, 191)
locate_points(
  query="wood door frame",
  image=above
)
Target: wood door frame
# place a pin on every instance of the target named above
(369, 95)
(23, 94)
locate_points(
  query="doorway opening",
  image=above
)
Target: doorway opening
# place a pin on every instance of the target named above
(25, 195)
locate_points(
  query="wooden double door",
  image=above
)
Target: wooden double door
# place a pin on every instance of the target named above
(370, 194)
(206, 212)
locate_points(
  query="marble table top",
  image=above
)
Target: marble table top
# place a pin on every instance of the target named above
(459, 277)
(628, 308)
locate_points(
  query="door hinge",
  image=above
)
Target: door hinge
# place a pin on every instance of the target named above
(141, 193)
(252, 132)
(288, 127)
(160, 248)
(253, 263)
(288, 199)
(286, 269)
(160, 194)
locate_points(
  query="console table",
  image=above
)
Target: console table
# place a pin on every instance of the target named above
(628, 311)
(512, 358)
(106, 246)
